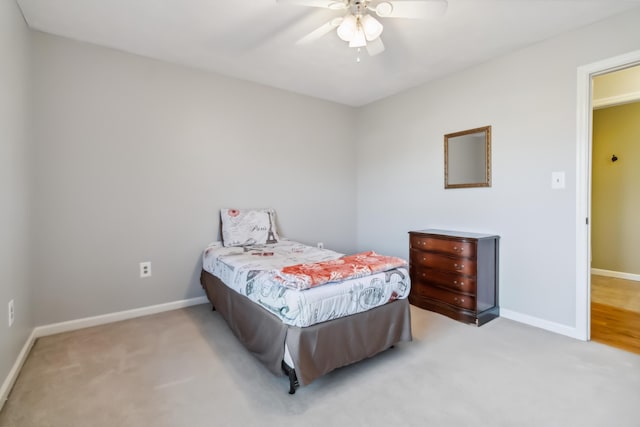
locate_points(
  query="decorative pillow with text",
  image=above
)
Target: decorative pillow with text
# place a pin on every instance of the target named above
(244, 227)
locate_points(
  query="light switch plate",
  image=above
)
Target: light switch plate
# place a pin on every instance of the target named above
(557, 180)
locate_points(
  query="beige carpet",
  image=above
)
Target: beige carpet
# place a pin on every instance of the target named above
(185, 368)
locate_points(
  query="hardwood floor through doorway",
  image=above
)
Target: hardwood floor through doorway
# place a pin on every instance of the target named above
(615, 312)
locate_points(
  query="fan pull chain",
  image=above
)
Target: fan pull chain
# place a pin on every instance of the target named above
(358, 57)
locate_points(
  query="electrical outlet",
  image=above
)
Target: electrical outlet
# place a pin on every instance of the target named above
(320, 245)
(145, 269)
(12, 313)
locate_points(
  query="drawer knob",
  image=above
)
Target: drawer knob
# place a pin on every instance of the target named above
(461, 284)
(456, 299)
(424, 258)
(458, 267)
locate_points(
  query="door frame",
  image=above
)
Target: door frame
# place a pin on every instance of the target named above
(583, 182)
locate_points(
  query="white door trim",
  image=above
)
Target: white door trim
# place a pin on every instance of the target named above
(583, 183)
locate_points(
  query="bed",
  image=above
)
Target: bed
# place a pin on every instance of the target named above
(299, 329)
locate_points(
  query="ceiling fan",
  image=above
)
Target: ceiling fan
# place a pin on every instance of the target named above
(359, 27)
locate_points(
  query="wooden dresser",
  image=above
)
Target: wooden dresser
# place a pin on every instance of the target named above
(455, 274)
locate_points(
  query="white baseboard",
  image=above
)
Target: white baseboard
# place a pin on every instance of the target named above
(558, 328)
(617, 274)
(15, 369)
(72, 325)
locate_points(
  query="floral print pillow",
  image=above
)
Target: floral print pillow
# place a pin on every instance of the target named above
(243, 227)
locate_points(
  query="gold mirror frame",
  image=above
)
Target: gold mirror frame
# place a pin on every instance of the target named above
(467, 162)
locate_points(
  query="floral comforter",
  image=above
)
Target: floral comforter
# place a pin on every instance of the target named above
(256, 273)
(309, 275)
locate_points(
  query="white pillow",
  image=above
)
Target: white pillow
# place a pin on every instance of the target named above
(242, 227)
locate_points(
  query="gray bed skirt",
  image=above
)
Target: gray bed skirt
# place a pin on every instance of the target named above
(315, 350)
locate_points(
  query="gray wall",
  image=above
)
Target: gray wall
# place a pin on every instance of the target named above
(135, 157)
(529, 97)
(14, 184)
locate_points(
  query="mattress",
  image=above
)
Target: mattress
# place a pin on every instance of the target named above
(250, 271)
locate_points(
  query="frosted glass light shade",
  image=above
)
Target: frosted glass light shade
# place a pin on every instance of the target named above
(347, 30)
(359, 39)
(371, 26)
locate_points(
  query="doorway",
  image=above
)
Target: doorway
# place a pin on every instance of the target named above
(615, 203)
(584, 183)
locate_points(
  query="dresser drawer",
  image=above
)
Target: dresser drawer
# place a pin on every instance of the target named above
(443, 263)
(452, 281)
(463, 301)
(455, 273)
(466, 249)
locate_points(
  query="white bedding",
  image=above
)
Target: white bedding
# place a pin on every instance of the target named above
(250, 272)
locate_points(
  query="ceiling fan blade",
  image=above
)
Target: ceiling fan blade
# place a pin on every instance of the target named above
(320, 31)
(413, 9)
(326, 4)
(375, 47)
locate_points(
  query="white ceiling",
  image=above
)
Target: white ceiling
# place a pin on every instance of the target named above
(255, 39)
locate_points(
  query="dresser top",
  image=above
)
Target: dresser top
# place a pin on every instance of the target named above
(461, 234)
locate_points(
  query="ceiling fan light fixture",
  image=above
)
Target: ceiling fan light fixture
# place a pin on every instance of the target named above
(358, 25)
(371, 26)
(359, 39)
(347, 29)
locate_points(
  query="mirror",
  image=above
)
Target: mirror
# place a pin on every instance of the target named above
(467, 158)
